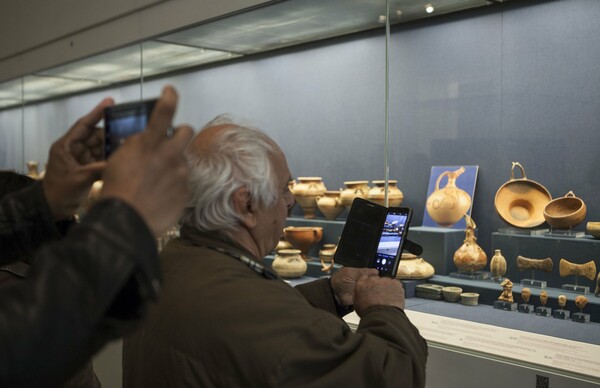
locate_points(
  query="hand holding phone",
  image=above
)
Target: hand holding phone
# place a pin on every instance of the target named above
(124, 120)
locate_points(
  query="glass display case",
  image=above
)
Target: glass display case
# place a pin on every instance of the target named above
(376, 90)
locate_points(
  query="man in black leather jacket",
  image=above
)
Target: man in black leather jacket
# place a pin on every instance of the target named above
(94, 284)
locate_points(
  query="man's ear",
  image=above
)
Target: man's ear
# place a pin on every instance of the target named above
(242, 203)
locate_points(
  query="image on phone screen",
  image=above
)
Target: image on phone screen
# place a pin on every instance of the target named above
(122, 121)
(390, 243)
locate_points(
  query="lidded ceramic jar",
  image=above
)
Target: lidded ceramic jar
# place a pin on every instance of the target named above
(329, 204)
(377, 193)
(306, 193)
(413, 267)
(288, 263)
(448, 204)
(353, 190)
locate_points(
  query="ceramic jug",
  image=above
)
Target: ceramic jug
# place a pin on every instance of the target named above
(377, 193)
(329, 204)
(306, 193)
(470, 257)
(449, 204)
(288, 263)
(354, 189)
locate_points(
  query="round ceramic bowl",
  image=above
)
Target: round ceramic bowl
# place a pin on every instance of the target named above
(593, 228)
(452, 294)
(469, 298)
(565, 212)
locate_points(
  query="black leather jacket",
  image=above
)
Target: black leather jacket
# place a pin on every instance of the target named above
(82, 291)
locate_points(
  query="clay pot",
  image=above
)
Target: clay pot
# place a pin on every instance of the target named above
(452, 294)
(449, 204)
(469, 298)
(329, 204)
(521, 202)
(377, 193)
(326, 255)
(32, 169)
(303, 237)
(593, 228)
(306, 193)
(413, 267)
(288, 263)
(566, 212)
(353, 189)
(498, 264)
(470, 257)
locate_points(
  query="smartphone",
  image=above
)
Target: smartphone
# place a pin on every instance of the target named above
(124, 120)
(391, 241)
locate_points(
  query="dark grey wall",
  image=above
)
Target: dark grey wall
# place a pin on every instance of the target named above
(485, 87)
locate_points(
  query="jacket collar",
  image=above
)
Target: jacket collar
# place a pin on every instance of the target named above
(213, 240)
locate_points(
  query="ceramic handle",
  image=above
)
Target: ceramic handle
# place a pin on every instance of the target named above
(570, 194)
(437, 182)
(512, 170)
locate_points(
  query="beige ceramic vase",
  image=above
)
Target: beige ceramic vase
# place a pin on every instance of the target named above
(498, 264)
(289, 264)
(413, 267)
(32, 169)
(377, 193)
(306, 193)
(449, 204)
(353, 190)
(303, 237)
(470, 257)
(329, 204)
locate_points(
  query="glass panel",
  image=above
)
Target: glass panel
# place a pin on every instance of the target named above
(11, 126)
(11, 93)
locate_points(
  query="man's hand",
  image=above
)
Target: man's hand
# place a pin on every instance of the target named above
(74, 163)
(344, 281)
(149, 171)
(375, 290)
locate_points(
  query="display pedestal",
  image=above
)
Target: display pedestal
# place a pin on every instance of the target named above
(525, 232)
(498, 279)
(533, 283)
(526, 308)
(576, 288)
(580, 317)
(564, 233)
(475, 275)
(561, 314)
(503, 305)
(543, 311)
(439, 245)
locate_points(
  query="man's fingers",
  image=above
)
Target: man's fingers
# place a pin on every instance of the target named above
(162, 116)
(95, 169)
(86, 125)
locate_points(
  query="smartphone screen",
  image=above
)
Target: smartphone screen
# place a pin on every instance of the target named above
(391, 241)
(124, 120)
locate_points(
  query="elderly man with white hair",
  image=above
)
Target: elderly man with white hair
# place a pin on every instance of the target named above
(224, 320)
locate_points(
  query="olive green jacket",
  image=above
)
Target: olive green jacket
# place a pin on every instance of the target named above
(219, 323)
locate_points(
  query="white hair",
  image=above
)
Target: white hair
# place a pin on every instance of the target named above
(240, 156)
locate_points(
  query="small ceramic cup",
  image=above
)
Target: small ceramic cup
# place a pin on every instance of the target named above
(469, 298)
(452, 294)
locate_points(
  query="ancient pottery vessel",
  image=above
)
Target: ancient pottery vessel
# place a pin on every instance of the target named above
(377, 193)
(32, 169)
(587, 270)
(326, 255)
(451, 294)
(449, 204)
(470, 257)
(306, 193)
(353, 189)
(288, 263)
(565, 212)
(413, 267)
(498, 264)
(303, 237)
(593, 228)
(330, 204)
(283, 244)
(520, 202)
(469, 298)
